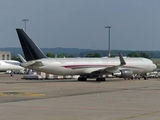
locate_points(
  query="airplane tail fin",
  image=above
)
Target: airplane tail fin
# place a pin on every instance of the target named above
(30, 49)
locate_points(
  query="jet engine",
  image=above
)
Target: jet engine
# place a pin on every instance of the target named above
(125, 73)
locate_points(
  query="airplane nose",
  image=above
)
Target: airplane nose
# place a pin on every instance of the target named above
(155, 66)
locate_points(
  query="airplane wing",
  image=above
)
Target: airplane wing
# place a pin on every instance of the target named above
(115, 68)
(31, 63)
(108, 69)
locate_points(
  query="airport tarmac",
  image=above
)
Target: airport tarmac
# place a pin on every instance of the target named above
(114, 99)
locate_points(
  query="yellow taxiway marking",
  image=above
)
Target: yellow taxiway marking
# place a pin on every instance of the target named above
(140, 115)
(21, 94)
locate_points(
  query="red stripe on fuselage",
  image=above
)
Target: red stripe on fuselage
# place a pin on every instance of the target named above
(91, 66)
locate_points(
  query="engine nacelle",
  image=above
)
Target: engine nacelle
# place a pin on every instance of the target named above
(125, 73)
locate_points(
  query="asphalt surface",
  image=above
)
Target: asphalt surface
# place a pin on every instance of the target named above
(65, 99)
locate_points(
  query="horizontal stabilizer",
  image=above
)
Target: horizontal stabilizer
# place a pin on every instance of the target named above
(31, 63)
(22, 59)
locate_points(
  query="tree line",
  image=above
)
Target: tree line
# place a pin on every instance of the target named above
(132, 54)
(103, 53)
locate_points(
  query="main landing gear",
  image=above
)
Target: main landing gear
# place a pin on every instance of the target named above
(82, 78)
(100, 79)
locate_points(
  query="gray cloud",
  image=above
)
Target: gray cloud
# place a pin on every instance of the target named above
(80, 23)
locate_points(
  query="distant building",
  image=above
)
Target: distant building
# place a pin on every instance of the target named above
(5, 55)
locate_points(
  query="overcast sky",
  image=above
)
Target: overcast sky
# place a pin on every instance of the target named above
(135, 24)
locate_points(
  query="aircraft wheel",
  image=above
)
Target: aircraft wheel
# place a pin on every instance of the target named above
(11, 75)
(82, 79)
(103, 79)
(145, 78)
(100, 79)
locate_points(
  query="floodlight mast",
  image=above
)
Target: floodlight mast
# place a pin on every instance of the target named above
(109, 52)
(25, 20)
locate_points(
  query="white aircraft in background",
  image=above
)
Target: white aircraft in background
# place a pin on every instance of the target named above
(10, 65)
(85, 67)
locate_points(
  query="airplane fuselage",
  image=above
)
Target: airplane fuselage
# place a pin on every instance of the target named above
(82, 66)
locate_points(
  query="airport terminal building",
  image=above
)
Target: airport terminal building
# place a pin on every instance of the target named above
(5, 55)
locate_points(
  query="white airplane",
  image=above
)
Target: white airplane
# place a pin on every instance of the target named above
(85, 67)
(10, 65)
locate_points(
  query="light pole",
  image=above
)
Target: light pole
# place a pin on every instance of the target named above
(25, 20)
(108, 40)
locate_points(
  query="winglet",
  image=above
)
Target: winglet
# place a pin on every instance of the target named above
(122, 62)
